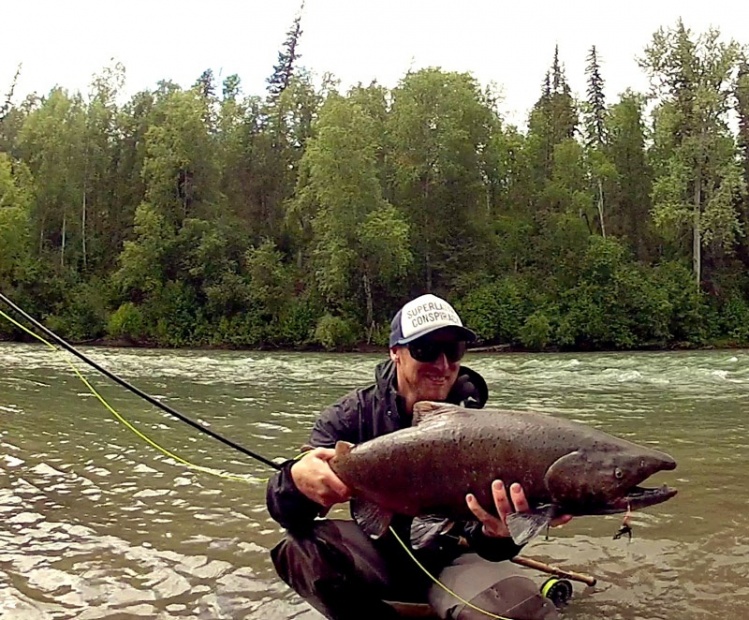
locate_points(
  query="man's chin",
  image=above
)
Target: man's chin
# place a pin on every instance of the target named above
(437, 393)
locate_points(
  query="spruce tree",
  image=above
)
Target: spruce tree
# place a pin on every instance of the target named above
(7, 104)
(287, 58)
(596, 108)
(206, 84)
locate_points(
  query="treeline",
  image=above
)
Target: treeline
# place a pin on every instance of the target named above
(306, 215)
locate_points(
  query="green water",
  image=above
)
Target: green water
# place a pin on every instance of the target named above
(96, 524)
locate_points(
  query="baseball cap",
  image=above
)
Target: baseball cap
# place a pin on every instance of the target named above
(423, 315)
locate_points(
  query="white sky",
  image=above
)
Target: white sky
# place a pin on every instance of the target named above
(510, 43)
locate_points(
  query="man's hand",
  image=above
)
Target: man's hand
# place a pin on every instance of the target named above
(496, 526)
(314, 478)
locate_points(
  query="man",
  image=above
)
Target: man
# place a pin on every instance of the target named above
(332, 563)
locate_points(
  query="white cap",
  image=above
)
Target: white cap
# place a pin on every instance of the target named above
(422, 316)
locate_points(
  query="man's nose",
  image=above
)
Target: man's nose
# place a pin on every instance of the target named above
(441, 362)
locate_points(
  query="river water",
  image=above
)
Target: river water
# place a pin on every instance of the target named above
(95, 523)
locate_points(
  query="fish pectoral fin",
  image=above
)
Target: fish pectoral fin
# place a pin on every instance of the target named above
(524, 526)
(342, 448)
(424, 530)
(370, 517)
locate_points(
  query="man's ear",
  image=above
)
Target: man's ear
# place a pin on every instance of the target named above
(394, 355)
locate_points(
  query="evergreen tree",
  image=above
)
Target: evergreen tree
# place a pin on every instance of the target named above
(552, 119)
(594, 112)
(283, 71)
(596, 102)
(206, 85)
(8, 103)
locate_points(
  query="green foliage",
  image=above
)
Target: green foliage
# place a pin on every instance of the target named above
(143, 261)
(244, 330)
(613, 304)
(535, 333)
(304, 216)
(271, 283)
(691, 321)
(496, 311)
(126, 323)
(298, 322)
(176, 314)
(699, 181)
(734, 317)
(83, 315)
(15, 220)
(335, 332)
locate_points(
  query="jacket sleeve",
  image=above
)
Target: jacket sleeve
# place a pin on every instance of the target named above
(489, 547)
(286, 504)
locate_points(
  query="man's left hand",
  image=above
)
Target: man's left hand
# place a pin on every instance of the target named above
(505, 505)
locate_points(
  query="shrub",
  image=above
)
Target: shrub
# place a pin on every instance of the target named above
(334, 332)
(82, 315)
(126, 323)
(496, 311)
(536, 331)
(734, 319)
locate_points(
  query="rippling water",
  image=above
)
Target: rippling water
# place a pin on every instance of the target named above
(94, 523)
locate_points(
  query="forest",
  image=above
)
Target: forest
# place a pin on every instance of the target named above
(305, 215)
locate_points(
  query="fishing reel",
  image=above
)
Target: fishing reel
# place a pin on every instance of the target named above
(559, 591)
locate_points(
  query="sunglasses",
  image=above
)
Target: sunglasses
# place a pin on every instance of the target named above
(429, 351)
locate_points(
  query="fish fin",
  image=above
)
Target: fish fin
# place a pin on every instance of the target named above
(425, 529)
(524, 526)
(342, 448)
(427, 409)
(370, 517)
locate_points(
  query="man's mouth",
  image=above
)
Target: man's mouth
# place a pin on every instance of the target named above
(436, 380)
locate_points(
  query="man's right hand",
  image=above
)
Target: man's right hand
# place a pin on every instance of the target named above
(315, 479)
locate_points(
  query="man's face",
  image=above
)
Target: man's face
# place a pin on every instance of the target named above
(434, 376)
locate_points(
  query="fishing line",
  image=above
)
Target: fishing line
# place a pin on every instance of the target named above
(442, 585)
(150, 399)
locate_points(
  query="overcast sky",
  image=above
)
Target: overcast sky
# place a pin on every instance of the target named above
(510, 43)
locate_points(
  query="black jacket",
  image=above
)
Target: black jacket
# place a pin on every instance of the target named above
(364, 414)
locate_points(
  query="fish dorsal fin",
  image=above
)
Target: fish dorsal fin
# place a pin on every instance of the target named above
(342, 448)
(426, 410)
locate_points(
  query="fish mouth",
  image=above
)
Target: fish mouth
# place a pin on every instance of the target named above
(641, 497)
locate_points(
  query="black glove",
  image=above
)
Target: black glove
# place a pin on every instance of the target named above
(465, 393)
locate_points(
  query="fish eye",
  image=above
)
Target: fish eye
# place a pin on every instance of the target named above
(618, 474)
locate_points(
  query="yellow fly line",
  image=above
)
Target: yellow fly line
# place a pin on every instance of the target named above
(118, 416)
(440, 584)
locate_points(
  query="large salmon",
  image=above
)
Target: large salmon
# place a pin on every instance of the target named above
(449, 451)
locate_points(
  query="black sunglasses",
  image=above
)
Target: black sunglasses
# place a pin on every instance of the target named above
(428, 351)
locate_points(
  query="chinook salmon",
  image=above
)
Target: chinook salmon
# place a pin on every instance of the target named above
(426, 470)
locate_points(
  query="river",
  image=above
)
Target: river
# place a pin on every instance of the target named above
(95, 523)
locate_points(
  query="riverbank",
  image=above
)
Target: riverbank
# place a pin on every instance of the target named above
(722, 344)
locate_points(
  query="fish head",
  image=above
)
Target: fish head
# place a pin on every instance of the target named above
(607, 480)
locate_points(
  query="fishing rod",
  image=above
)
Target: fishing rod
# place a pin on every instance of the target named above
(129, 386)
